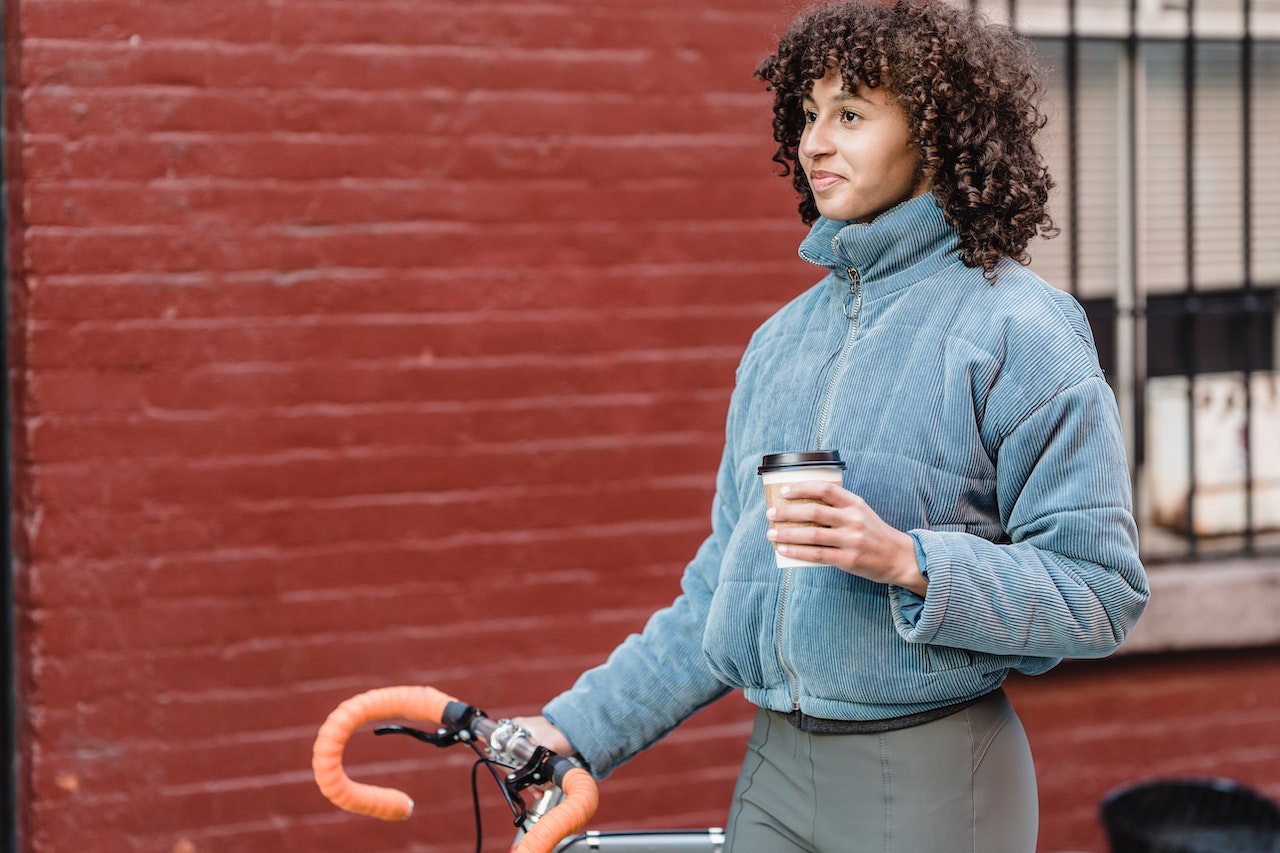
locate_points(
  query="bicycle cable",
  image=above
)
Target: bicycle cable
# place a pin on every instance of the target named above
(516, 804)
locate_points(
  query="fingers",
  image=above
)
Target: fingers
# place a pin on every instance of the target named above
(810, 554)
(828, 524)
(814, 503)
(817, 538)
(803, 528)
(545, 734)
(803, 513)
(832, 494)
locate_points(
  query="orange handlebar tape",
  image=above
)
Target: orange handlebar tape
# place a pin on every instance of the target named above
(423, 704)
(427, 704)
(578, 807)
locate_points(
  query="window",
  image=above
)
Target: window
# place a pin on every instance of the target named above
(1165, 141)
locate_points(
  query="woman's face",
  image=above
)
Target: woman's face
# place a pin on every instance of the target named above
(857, 152)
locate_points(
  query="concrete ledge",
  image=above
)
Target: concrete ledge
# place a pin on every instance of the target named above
(1208, 605)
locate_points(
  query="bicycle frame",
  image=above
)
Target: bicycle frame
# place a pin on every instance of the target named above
(710, 840)
(646, 841)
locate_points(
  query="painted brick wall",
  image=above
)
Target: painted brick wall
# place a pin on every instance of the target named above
(360, 343)
(1095, 726)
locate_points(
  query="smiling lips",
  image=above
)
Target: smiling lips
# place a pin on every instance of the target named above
(821, 181)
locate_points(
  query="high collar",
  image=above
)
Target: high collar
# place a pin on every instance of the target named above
(904, 244)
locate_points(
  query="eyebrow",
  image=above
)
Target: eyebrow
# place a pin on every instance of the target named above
(844, 97)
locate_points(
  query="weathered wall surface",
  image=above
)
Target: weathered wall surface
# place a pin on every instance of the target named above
(359, 343)
(368, 343)
(1097, 726)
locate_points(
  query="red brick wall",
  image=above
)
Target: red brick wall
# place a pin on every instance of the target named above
(358, 343)
(365, 343)
(1095, 726)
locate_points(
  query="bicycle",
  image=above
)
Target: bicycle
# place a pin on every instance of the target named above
(556, 822)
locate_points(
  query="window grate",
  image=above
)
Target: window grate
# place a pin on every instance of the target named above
(1163, 138)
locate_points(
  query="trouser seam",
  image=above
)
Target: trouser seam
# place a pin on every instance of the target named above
(973, 784)
(886, 782)
(751, 780)
(981, 751)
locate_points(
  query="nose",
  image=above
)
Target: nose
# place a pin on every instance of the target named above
(814, 140)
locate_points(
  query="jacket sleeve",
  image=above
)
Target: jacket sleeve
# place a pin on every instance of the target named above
(655, 679)
(1069, 583)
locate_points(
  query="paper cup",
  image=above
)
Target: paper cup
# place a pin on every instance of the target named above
(778, 469)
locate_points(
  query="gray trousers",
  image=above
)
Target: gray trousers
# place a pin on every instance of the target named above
(962, 784)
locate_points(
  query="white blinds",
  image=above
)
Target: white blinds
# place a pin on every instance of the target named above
(1144, 105)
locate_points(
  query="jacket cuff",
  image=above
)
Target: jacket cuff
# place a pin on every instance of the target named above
(918, 619)
(581, 736)
(909, 603)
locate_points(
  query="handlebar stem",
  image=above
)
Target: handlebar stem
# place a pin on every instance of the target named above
(509, 743)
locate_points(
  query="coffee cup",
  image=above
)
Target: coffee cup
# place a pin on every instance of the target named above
(778, 469)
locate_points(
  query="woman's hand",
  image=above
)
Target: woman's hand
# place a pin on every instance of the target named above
(546, 734)
(849, 535)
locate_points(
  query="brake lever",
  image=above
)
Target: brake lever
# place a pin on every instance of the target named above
(443, 736)
(532, 773)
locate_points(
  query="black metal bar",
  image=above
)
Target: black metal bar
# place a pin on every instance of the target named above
(1246, 244)
(1246, 152)
(1187, 327)
(1258, 303)
(1073, 150)
(1137, 294)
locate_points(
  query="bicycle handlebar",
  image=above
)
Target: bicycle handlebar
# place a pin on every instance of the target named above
(426, 704)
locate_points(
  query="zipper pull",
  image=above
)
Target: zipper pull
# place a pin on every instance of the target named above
(855, 293)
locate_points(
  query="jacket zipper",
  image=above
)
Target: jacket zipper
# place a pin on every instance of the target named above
(854, 295)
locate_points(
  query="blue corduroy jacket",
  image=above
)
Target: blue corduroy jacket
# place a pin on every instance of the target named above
(972, 415)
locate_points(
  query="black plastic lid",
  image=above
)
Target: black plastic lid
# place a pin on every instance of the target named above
(807, 459)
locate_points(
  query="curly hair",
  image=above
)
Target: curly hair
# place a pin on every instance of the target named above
(970, 90)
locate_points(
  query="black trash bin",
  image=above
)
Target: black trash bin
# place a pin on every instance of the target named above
(1190, 816)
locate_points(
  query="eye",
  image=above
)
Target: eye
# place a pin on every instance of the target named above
(849, 116)
(810, 116)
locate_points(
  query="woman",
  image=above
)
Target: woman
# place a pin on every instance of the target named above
(984, 522)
